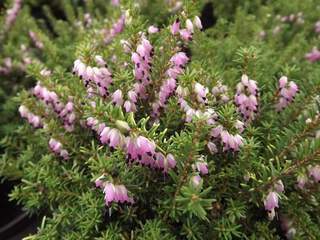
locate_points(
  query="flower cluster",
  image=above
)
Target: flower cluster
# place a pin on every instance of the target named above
(117, 27)
(201, 93)
(317, 27)
(113, 192)
(313, 56)
(99, 78)
(186, 34)
(246, 98)
(12, 13)
(293, 18)
(220, 92)
(45, 72)
(195, 181)
(272, 199)
(142, 59)
(142, 68)
(7, 66)
(315, 173)
(57, 148)
(287, 92)
(209, 114)
(169, 86)
(64, 111)
(35, 39)
(34, 120)
(138, 149)
(229, 141)
(143, 151)
(201, 166)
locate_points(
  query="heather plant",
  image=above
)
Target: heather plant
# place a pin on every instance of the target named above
(144, 127)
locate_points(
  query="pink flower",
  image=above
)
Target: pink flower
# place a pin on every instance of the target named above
(201, 92)
(279, 187)
(99, 182)
(12, 13)
(23, 111)
(116, 193)
(197, 22)
(315, 173)
(179, 59)
(212, 147)
(100, 61)
(117, 98)
(287, 93)
(313, 56)
(145, 146)
(45, 72)
(175, 28)
(36, 41)
(271, 201)
(202, 167)
(112, 137)
(317, 27)
(117, 27)
(34, 120)
(195, 181)
(189, 25)
(153, 29)
(55, 145)
(301, 181)
(115, 2)
(246, 98)
(185, 35)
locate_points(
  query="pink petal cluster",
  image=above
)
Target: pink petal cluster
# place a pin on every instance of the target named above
(64, 111)
(153, 29)
(246, 98)
(287, 93)
(186, 34)
(35, 39)
(317, 27)
(195, 181)
(271, 201)
(201, 93)
(99, 78)
(142, 59)
(112, 192)
(220, 92)
(34, 120)
(293, 18)
(87, 19)
(45, 72)
(7, 66)
(169, 86)
(201, 166)
(57, 148)
(117, 27)
(141, 150)
(115, 2)
(301, 181)
(313, 56)
(12, 13)
(229, 141)
(315, 173)
(278, 186)
(209, 114)
(112, 137)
